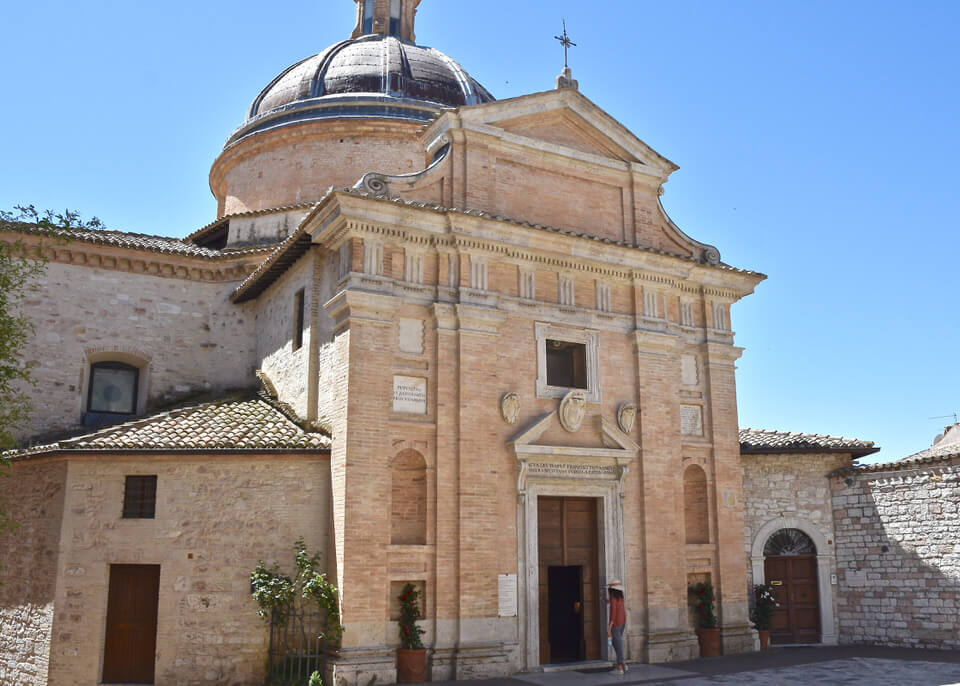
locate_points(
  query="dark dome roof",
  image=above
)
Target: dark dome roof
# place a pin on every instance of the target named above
(370, 76)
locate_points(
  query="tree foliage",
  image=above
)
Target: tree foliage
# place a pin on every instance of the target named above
(18, 276)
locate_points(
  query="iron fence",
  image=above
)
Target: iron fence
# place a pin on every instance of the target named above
(296, 650)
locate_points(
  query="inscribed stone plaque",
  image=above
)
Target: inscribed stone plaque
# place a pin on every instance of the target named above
(507, 593)
(691, 420)
(688, 370)
(409, 394)
(410, 332)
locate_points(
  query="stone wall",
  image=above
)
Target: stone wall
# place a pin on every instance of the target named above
(216, 516)
(784, 491)
(28, 570)
(898, 554)
(186, 334)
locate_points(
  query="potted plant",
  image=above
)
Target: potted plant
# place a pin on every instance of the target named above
(762, 612)
(704, 605)
(411, 656)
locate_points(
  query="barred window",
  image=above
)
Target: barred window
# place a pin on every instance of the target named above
(140, 497)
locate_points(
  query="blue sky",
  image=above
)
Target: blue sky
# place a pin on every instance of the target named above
(817, 143)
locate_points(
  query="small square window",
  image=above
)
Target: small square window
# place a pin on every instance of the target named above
(113, 388)
(566, 364)
(567, 358)
(140, 497)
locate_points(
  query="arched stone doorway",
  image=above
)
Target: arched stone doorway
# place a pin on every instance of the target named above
(794, 552)
(790, 566)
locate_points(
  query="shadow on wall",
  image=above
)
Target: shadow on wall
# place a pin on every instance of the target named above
(898, 555)
(28, 569)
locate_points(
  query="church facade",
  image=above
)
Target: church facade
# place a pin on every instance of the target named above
(449, 340)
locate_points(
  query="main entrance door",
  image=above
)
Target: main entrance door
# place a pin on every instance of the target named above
(131, 638)
(568, 594)
(790, 566)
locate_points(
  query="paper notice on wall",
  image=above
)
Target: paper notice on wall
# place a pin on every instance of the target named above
(507, 592)
(409, 394)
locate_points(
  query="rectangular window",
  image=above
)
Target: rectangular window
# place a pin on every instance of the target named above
(368, 16)
(566, 364)
(140, 497)
(394, 17)
(298, 319)
(113, 388)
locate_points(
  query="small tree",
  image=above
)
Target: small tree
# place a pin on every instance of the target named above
(704, 604)
(410, 631)
(18, 275)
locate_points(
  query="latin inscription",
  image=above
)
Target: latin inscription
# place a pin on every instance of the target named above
(409, 395)
(691, 420)
(572, 471)
(507, 595)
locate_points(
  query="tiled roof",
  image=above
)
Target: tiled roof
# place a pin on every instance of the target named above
(921, 460)
(122, 239)
(767, 441)
(937, 451)
(234, 424)
(199, 233)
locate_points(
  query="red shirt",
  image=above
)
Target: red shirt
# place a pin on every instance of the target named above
(618, 615)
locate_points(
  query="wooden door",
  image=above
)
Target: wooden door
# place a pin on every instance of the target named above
(794, 580)
(567, 532)
(130, 646)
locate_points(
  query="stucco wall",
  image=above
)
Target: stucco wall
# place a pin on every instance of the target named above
(191, 337)
(28, 558)
(215, 518)
(898, 550)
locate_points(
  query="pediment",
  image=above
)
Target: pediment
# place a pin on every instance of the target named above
(597, 439)
(568, 119)
(567, 128)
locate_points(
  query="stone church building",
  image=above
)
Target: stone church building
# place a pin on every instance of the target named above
(449, 340)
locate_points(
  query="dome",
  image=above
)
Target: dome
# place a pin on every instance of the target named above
(375, 75)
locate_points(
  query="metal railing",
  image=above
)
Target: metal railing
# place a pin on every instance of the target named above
(296, 649)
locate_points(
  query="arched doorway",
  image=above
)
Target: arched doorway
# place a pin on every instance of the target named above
(790, 566)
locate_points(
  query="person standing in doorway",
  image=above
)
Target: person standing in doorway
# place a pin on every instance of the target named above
(618, 622)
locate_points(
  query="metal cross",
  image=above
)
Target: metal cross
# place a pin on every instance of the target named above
(565, 42)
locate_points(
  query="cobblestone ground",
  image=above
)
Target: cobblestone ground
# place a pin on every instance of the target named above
(813, 667)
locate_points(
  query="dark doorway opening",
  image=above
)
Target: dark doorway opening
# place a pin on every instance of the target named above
(130, 647)
(565, 593)
(568, 596)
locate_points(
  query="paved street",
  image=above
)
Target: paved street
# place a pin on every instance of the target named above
(839, 666)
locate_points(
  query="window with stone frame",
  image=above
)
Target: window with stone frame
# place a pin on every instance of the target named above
(140, 496)
(113, 389)
(567, 359)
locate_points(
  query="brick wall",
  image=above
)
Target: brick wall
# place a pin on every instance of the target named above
(898, 555)
(28, 559)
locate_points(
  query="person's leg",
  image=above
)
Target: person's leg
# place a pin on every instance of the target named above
(617, 635)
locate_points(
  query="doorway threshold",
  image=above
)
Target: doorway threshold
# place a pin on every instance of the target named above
(576, 666)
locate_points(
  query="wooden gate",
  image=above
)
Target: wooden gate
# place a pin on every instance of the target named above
(130, 648)
(567, 531)
(794, 580)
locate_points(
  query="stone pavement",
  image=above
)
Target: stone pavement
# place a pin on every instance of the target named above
(802, 666)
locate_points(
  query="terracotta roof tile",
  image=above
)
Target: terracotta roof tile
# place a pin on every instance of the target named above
(236, 423)
(133, 241)
(768, 441)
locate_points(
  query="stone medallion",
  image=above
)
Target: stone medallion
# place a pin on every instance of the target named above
(510, 407)
(572, 408)
(626, 416)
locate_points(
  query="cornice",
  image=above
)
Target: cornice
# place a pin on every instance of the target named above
(227, 268)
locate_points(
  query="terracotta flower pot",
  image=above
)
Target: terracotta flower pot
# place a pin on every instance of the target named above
(411, 665)
(709, 642)
(764, 635)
